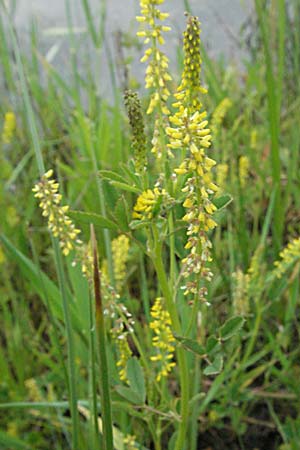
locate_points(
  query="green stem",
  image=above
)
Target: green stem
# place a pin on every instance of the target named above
(172, 250)
(93, 358)
(70, 343)
(254, 333)
(195, 407)
(106, 232)
(144, 288)
(181, 357)
(104, 375)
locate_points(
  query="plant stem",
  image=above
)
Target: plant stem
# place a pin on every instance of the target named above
(104, 378)
(70, 344)
(96, 434)
(183, 369)
(195, 407)
(254, 333)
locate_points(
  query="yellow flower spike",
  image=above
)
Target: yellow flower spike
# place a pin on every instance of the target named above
(190, 132)
(124, 355)
(241, 304)
(289, 256)
(163, 340)
(157, 75)
(59, 223)
(9, 127)
(219, 115)
(244, 165)
(120, 251)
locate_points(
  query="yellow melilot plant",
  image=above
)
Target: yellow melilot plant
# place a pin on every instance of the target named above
(174, 204)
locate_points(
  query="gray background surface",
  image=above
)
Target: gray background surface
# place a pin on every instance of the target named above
(221, 21)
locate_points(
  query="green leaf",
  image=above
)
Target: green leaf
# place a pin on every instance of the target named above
(215, 367)
(136, 378)
(138, 224)
(125, 187)
(130, 174)
(43, 285)
(191, 345)
(111, 176)
(223, 201)
(231, 327)
(212, 345)
(121, 213)
(38, 279)
(129, 394)
(96, 219)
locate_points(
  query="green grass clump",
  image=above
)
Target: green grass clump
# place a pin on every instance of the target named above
(161, 311)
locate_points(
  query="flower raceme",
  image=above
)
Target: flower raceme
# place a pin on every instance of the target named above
(190, 132)
(219, 115)
(289, 255)
(134, 112)
(190, 89)
(157, 75)
(59, 223)
(163, 341)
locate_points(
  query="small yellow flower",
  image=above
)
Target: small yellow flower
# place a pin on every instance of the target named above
(8, 127)
(146, 202)
(59, 223)
(163, 341)
(130, 442)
